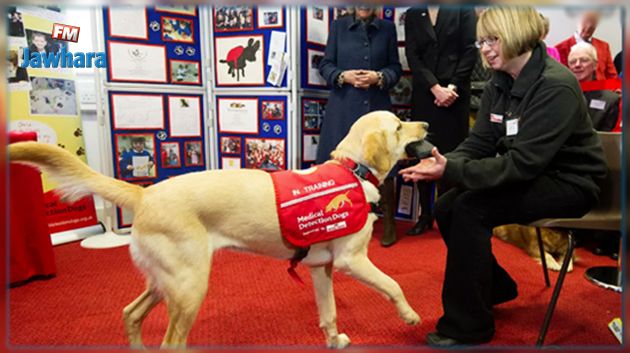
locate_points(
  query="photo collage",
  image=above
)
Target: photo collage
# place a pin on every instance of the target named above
(249, 46)
(252, 132)
(159, 45)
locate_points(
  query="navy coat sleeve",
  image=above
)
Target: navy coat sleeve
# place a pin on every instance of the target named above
(393, 70)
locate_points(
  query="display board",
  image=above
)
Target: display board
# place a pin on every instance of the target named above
(45, 100)
(252, 131)
(249, 46)
(155, 136)
(159, 44)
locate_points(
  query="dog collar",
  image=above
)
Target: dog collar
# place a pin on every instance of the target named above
(359, 169)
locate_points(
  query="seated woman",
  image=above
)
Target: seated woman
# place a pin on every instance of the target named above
(532, 154)
(603, 105)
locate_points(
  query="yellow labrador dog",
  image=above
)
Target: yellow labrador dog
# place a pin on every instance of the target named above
(215, 209)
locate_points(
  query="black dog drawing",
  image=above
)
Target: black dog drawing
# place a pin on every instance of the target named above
(238, 56)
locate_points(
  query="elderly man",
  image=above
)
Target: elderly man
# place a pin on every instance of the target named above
(585, 29)
(603, 105)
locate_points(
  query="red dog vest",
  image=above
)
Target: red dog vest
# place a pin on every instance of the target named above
(319, 204)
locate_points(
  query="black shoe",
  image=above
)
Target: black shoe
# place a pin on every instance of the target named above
(387, 242)
(425, 222)
(505, 296)
(436, 340)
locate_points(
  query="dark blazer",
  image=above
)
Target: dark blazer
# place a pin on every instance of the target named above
(352, 45)
(444, 54)
(604, 118)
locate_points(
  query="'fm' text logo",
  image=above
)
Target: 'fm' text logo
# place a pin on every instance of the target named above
(66, 32)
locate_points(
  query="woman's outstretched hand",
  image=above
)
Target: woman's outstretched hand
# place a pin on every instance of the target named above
(431, 168)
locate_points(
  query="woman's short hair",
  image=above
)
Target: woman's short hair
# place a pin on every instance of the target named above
(519, 28)
(587, 47)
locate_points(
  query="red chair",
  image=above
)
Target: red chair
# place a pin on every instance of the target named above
(31, 251)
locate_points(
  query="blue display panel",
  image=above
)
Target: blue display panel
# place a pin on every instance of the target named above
(242, 37)
(158, 45)
(252, 131)
(154, 137)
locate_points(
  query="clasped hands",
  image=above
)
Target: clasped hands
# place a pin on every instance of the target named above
(431, 168)
(360, 78)
(444, 96)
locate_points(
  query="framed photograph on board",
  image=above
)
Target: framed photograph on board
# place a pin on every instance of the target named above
(193, 153)
(189, 10)
(233, 18)
(309, 147)
(184, 116)
(239, 60)
(401, 93)
(313, 111)
(237, 115)
(270, 17)
(184, 72)
(170, 155)
(273, 110)
(264, 153)
(128, 22)
(230, 163)
(135, 156)
(137, 62)
(313, 76)
(53, 96)
(177, 30)
(135, 111)
(230, 145)
(317, 24)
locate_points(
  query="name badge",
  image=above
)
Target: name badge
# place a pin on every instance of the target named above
(496, 118)
(598, 104)
(511, 127)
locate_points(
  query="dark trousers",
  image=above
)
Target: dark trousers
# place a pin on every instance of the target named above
(473, 277)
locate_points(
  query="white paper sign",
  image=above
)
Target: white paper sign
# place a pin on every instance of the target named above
(184, 116)
(140, 166)
(238, 115)
(317, 24)
(511, 127)
(309, 145)
(137, 111)
(276, 46)
(128, 22)
(137, 62)
(230, 163)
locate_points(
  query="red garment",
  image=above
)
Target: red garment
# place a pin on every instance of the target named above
(605, 65)
(319, 204)
(31, 252)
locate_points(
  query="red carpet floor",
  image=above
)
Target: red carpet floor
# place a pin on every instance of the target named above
(253, 302)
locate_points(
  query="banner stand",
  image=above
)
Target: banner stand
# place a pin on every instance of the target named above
(76, 234)
(106, 240)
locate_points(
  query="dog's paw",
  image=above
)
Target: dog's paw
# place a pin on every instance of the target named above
(411, 318)
(339, 342)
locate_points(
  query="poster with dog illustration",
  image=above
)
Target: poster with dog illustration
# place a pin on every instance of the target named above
(239, 60)
(53, 96)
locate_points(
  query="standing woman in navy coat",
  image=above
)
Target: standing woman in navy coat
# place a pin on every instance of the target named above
(361, 64)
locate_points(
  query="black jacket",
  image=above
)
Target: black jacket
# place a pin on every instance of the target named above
(603, 107)
(555, 134)
(442, 54)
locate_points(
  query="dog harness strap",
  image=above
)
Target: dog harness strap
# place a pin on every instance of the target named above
(300, 253)
(359, 169)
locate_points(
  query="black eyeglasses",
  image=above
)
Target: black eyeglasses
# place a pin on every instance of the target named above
(490, 41)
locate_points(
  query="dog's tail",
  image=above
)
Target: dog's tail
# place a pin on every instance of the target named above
(76, 179)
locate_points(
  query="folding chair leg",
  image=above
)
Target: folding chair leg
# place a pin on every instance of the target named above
(543, 259)
(556, 290)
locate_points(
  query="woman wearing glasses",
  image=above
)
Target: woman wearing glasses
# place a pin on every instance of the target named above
(439, 45)
(532, 154)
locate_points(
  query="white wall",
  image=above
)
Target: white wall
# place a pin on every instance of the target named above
(563, 22)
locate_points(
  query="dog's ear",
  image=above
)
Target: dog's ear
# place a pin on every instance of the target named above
(375, 151)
